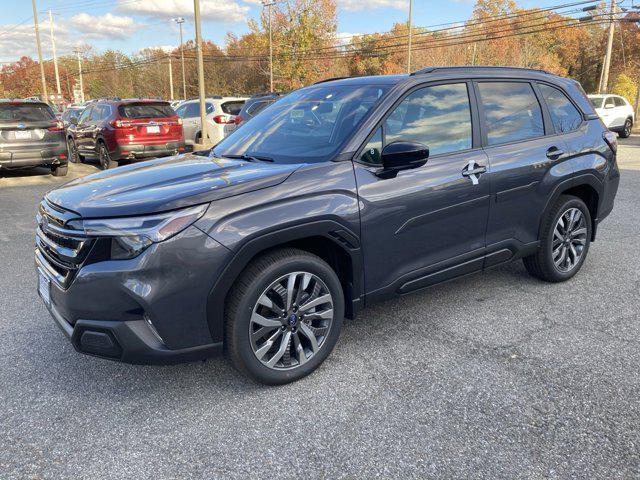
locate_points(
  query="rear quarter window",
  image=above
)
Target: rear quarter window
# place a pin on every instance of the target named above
(564, 115)
(25, 112)
(146, 110)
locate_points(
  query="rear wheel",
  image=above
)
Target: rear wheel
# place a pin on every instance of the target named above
(626, 130)
(105, 158)
(59, 170)
(566, 236)
(283, 316)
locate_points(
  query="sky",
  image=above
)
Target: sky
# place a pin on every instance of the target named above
(131, 25)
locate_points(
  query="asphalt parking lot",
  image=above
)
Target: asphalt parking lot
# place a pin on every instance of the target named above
(493, 376)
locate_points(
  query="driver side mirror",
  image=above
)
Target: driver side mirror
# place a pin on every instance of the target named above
(400, 155)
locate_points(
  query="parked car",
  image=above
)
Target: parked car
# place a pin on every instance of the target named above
(31, 136)
(615, 111)
(72, 111)
(221, 117)
(113, 130)
(176, 103)
(350, 192)
(255, 104)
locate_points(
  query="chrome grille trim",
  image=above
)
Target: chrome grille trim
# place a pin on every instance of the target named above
(59, 249)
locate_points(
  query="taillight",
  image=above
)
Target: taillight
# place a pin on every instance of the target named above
(179, 121)
(226, 119)
(119, 124)
(612, 140)
(57, 127)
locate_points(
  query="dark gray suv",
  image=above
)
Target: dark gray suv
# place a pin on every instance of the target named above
(339, 195)
(31, 136)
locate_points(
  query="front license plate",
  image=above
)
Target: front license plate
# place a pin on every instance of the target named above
(153, 129)
(44, 287)
(21, 135)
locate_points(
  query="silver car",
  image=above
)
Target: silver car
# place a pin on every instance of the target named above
(221, 118)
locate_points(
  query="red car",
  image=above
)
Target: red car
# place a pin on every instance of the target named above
(112, 130)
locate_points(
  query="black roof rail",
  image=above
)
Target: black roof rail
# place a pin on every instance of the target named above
(330, 80)
(425, 70)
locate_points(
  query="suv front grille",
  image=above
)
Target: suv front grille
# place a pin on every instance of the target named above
(59, 249)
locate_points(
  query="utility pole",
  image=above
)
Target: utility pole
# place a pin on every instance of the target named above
(170, 78)
(409, 51)
(607, 58)
(180, 21)
(269, 4)
(203, 113)
(473, 55)
(42, 77)
(55, 58)
(77, 51)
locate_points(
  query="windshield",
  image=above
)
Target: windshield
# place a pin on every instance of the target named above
(596, 102)
(308, 125)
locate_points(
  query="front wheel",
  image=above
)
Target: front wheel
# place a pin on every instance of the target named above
(74, 156)
(626, 130)
(283, 316)
(566, 236)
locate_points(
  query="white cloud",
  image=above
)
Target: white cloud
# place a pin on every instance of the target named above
(228, 11)
(358, 5)
(20, 40)
(104, 26)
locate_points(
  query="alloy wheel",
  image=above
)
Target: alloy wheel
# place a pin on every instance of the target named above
(104, 157)
(71, 150)
(569, 240)
(291, 320)
(627, 128)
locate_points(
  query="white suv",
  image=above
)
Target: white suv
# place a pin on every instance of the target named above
(616, 113)
(220, 117)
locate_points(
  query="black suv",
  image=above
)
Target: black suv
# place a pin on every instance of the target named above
(31, 136)
(342, 194)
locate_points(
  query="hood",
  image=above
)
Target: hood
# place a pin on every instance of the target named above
(165, 184)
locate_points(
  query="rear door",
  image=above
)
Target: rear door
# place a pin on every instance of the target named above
(521, 148)
(84, 128)
(620, 112)
(27, 128)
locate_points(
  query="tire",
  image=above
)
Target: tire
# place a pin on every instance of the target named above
(72, 151)
(626, 130)
(59, 170)
(574, 241)
(264, 282)
(105, 158)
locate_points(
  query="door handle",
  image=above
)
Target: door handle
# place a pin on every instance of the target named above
(473, 171)
(554, 153)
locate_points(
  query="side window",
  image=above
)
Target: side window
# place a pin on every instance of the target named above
(511, 111)
(438, 117)
(180, 111)
(609, 102)
(564, 115)
(373, 149)
(209, 108)
(619, 102)
(192, 110)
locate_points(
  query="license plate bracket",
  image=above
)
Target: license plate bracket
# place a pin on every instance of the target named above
(21, 135)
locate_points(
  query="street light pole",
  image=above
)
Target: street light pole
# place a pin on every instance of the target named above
(203, 113)
(180, 21)
(53, 50)
(269, 4)
(42, 77)
(409, 51)
(171, 78)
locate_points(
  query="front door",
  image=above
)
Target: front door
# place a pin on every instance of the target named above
(428, 223)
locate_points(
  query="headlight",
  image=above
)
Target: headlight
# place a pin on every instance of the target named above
(131, 235)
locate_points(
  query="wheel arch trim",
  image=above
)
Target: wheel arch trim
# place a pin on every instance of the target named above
(335, 232)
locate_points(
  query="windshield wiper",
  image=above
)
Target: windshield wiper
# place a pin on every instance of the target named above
(249, 158)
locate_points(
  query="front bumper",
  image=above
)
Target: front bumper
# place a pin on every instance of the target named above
(151, 309)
